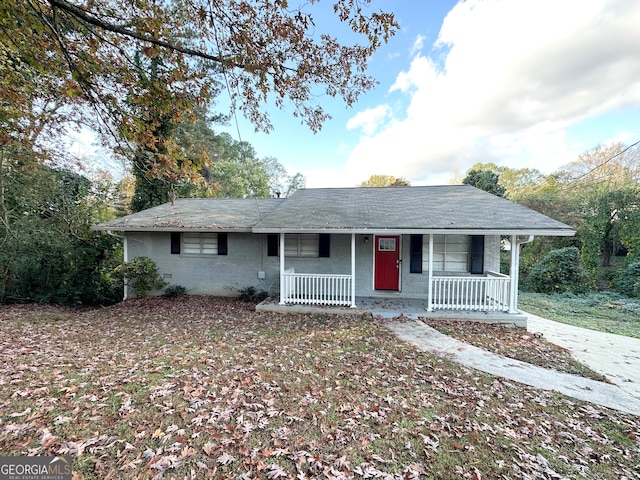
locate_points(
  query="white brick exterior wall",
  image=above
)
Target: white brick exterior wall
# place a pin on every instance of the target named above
(225, 275)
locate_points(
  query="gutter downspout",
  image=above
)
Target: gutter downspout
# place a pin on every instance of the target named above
(515, 269)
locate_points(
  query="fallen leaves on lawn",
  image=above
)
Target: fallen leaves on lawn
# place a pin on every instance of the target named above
(200, 387)
(516, 343)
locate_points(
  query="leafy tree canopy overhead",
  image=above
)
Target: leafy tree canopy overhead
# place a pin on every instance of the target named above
(100, 53)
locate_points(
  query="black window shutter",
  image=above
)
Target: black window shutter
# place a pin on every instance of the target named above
(324, 245)
(476, 258)
(222, 244)
(272, 245)
(416, 254)
(175, 243)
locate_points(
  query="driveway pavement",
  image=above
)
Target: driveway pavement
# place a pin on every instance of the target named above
(615, 356)
(428, 339)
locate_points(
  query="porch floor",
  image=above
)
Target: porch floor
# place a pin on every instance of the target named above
(393, 307)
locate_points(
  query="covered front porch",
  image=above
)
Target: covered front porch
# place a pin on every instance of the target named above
(438, 293)
(390, 307)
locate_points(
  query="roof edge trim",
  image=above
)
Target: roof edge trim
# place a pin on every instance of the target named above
(170, 229)
(554, 232)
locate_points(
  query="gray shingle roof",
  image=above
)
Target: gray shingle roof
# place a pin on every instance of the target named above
(198, 214)
(461, 208)
(457, 207)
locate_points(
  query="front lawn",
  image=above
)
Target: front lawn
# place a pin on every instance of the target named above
(206, 388)
(603, 311)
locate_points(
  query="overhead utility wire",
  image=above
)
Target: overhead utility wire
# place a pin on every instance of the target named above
(575, 180)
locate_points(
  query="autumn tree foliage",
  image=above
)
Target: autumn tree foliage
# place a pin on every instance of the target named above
(117, 58)
(140, 74)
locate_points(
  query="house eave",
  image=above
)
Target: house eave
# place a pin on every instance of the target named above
(357, 231)
(121, 228)
(423, 231)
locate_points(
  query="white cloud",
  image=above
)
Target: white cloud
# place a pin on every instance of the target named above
(369, 119)
(517, 75)
(334, 177)
(418, 44)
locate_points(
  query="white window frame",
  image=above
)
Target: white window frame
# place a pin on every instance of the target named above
(387, 244)
(450, 254)
(302, 245)
(199, 243)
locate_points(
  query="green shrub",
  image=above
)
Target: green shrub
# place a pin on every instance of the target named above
(628, 280)
(174, 291)
(251, 294)
(141, 274)
(559, 271)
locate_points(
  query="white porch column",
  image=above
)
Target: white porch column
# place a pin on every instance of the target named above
(430, 275)
(282, 286)
(353, 270)
(513, 273)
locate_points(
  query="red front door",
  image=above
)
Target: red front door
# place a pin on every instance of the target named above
(387, 263)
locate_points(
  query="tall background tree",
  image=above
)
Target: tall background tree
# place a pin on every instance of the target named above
(604, 184)
(598, 194)
(485, 178)
(385, 181)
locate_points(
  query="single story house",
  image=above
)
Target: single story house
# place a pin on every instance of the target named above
(327, 246)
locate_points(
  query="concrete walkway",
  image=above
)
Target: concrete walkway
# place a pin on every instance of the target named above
(428, 339)
(615, 356)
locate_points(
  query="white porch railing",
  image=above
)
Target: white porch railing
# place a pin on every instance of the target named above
(316, 289)
(490, 293)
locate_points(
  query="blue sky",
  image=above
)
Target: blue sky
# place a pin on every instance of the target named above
(521, 83)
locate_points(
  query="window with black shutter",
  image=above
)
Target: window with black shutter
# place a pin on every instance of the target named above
(415, 252)
(175, 243)
(324, 245)
(273, 241)
(222, 244)
(199, 243)
(476, 257)
(306, 245)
